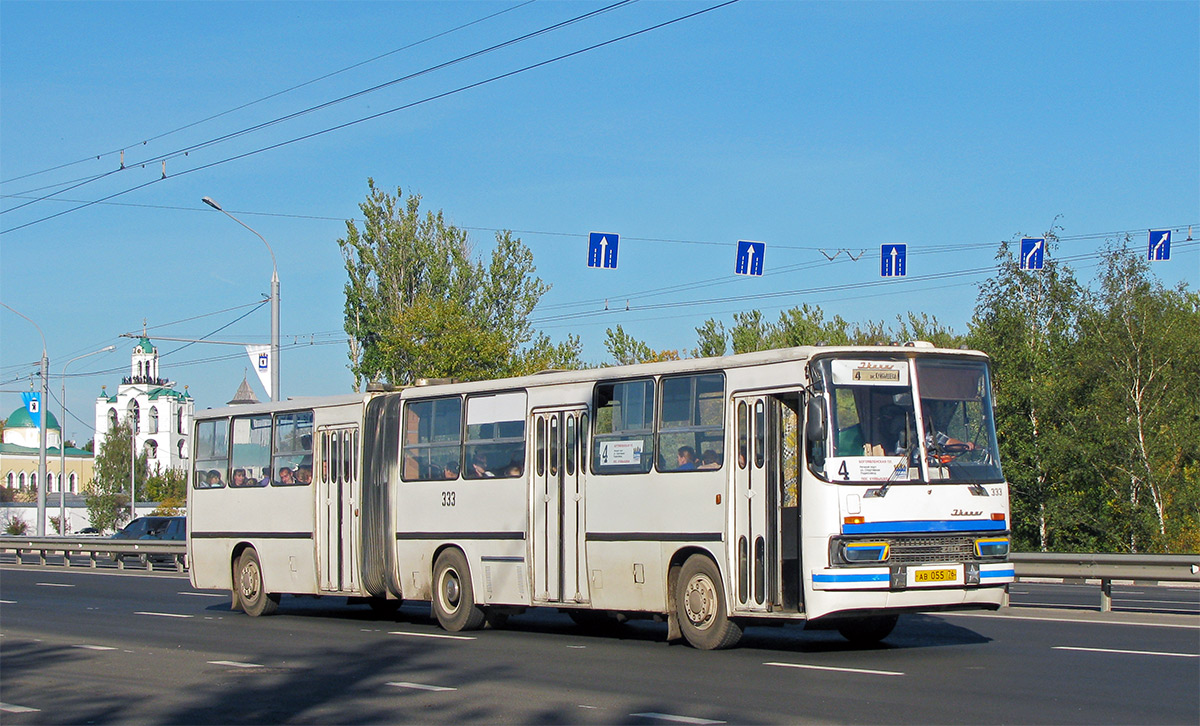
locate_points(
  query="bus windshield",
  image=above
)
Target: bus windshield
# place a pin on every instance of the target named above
(876, 408)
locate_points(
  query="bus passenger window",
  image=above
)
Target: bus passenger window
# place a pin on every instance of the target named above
(292, 460)
(432, 438)
(691, 423)
(760, 435)
(623, 438)
(212, 454)
(252, 449)
(495, 443)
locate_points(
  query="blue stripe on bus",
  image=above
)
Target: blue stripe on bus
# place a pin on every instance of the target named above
(932, 525)
(880, 577)
(1010, 572)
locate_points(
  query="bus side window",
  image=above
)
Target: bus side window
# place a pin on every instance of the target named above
(623, 437)
(432, 438)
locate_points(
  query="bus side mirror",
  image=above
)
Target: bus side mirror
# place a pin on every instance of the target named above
(814, 419)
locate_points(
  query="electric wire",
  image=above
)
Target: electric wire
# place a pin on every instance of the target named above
(184, 151)
(371, 117)
(269, 96)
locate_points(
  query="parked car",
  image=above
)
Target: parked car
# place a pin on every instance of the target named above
(153, 528)
(173, 528)
(89, 532)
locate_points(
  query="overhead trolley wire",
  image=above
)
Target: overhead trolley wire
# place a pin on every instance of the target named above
(184, 151)
(269, 96)
(371, 117)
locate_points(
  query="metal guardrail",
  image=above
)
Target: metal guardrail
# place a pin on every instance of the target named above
(143, 551)
(1139, 569)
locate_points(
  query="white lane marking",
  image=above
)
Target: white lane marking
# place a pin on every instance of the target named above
(578, 647)
(94, 647)
(52, 584)
(584, 705)
(1067, 620)
(431, 635)
(8, 602)
(1126, 652)
(674, 719)
(421, 686)
(10, 708)
(206, 594)
(234, 664)
(835, 668)
(163, 615)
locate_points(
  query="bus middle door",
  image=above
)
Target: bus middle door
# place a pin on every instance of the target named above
(557, 506)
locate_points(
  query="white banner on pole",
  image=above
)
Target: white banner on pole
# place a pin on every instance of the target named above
(260, 358)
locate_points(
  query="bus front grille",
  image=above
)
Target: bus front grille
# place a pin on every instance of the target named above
(920, 550)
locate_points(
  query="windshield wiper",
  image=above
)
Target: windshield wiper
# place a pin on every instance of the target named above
(902, 465)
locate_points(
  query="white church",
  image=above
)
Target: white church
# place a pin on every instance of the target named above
(162, 415)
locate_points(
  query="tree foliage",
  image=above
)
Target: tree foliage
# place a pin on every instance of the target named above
(107, 495)
(418, 305)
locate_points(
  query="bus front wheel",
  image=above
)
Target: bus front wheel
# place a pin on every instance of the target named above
(700, 606)
(255, 600)
(453, 596)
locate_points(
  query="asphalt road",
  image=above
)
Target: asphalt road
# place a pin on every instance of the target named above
(79, 646)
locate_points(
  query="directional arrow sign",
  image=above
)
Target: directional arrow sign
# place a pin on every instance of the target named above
(892, 260)
(750, 258)
(1160, 245)
(1033, 253)
(602, 250)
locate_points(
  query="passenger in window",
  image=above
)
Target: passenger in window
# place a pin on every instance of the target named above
(239, 478)
(214, 479)
(710, 460)
(479, 468)
(687, 459)
(513, 470)
(450, 470)
(286, 476)
(304, 475)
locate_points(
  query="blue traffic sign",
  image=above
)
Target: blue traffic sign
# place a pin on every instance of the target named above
(1033, 253)
(750, 258)
(1160, 245)
(602, 250)
(892, 260)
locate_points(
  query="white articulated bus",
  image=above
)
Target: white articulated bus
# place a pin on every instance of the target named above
(837, 485)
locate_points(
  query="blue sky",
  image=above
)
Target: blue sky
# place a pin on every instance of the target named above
(810, 126)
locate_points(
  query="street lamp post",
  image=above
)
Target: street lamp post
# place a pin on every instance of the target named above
(62, 442)
(274, 300)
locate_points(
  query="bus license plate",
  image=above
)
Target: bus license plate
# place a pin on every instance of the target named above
(935, 576)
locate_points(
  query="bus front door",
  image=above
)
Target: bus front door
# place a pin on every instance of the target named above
(337, 478)
(557, 506)
(753, 502)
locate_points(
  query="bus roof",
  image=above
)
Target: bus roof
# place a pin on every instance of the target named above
(544, 378)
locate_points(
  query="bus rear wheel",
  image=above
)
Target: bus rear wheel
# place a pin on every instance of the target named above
(868, 630)
(700, 606)
(254, 598)
(453, 597)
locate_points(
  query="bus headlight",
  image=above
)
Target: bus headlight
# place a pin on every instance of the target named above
(991, 547)
(855, 552)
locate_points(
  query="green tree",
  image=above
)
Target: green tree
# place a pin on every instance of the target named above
(418, 304)
(711, 341)
(168, 487)
(1140, 349)
(626, 350)
(107, 495)
(1026, 321)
